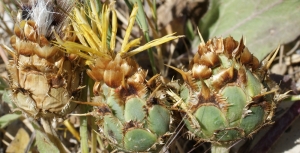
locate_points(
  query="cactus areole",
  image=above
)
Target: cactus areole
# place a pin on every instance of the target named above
(227, 95)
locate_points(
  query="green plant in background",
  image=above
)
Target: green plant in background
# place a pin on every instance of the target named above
(265, 24)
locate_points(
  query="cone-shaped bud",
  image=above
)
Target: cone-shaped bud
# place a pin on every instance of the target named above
(131, 112)
(226, 96)
(43, 79)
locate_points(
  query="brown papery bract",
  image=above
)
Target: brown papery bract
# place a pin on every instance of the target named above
(209, 59)
(229, 45)
(42, 78)
(201, 71)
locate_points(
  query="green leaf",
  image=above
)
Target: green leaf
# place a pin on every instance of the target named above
(265, 24)
(3, 84)
(141, 17)
(210, 17)
(189, 30)
(6, 96)
(142, 22)
(7, 119)
(43, 142)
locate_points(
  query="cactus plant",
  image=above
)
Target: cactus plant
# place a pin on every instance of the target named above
(131, 112)
(227, 95)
